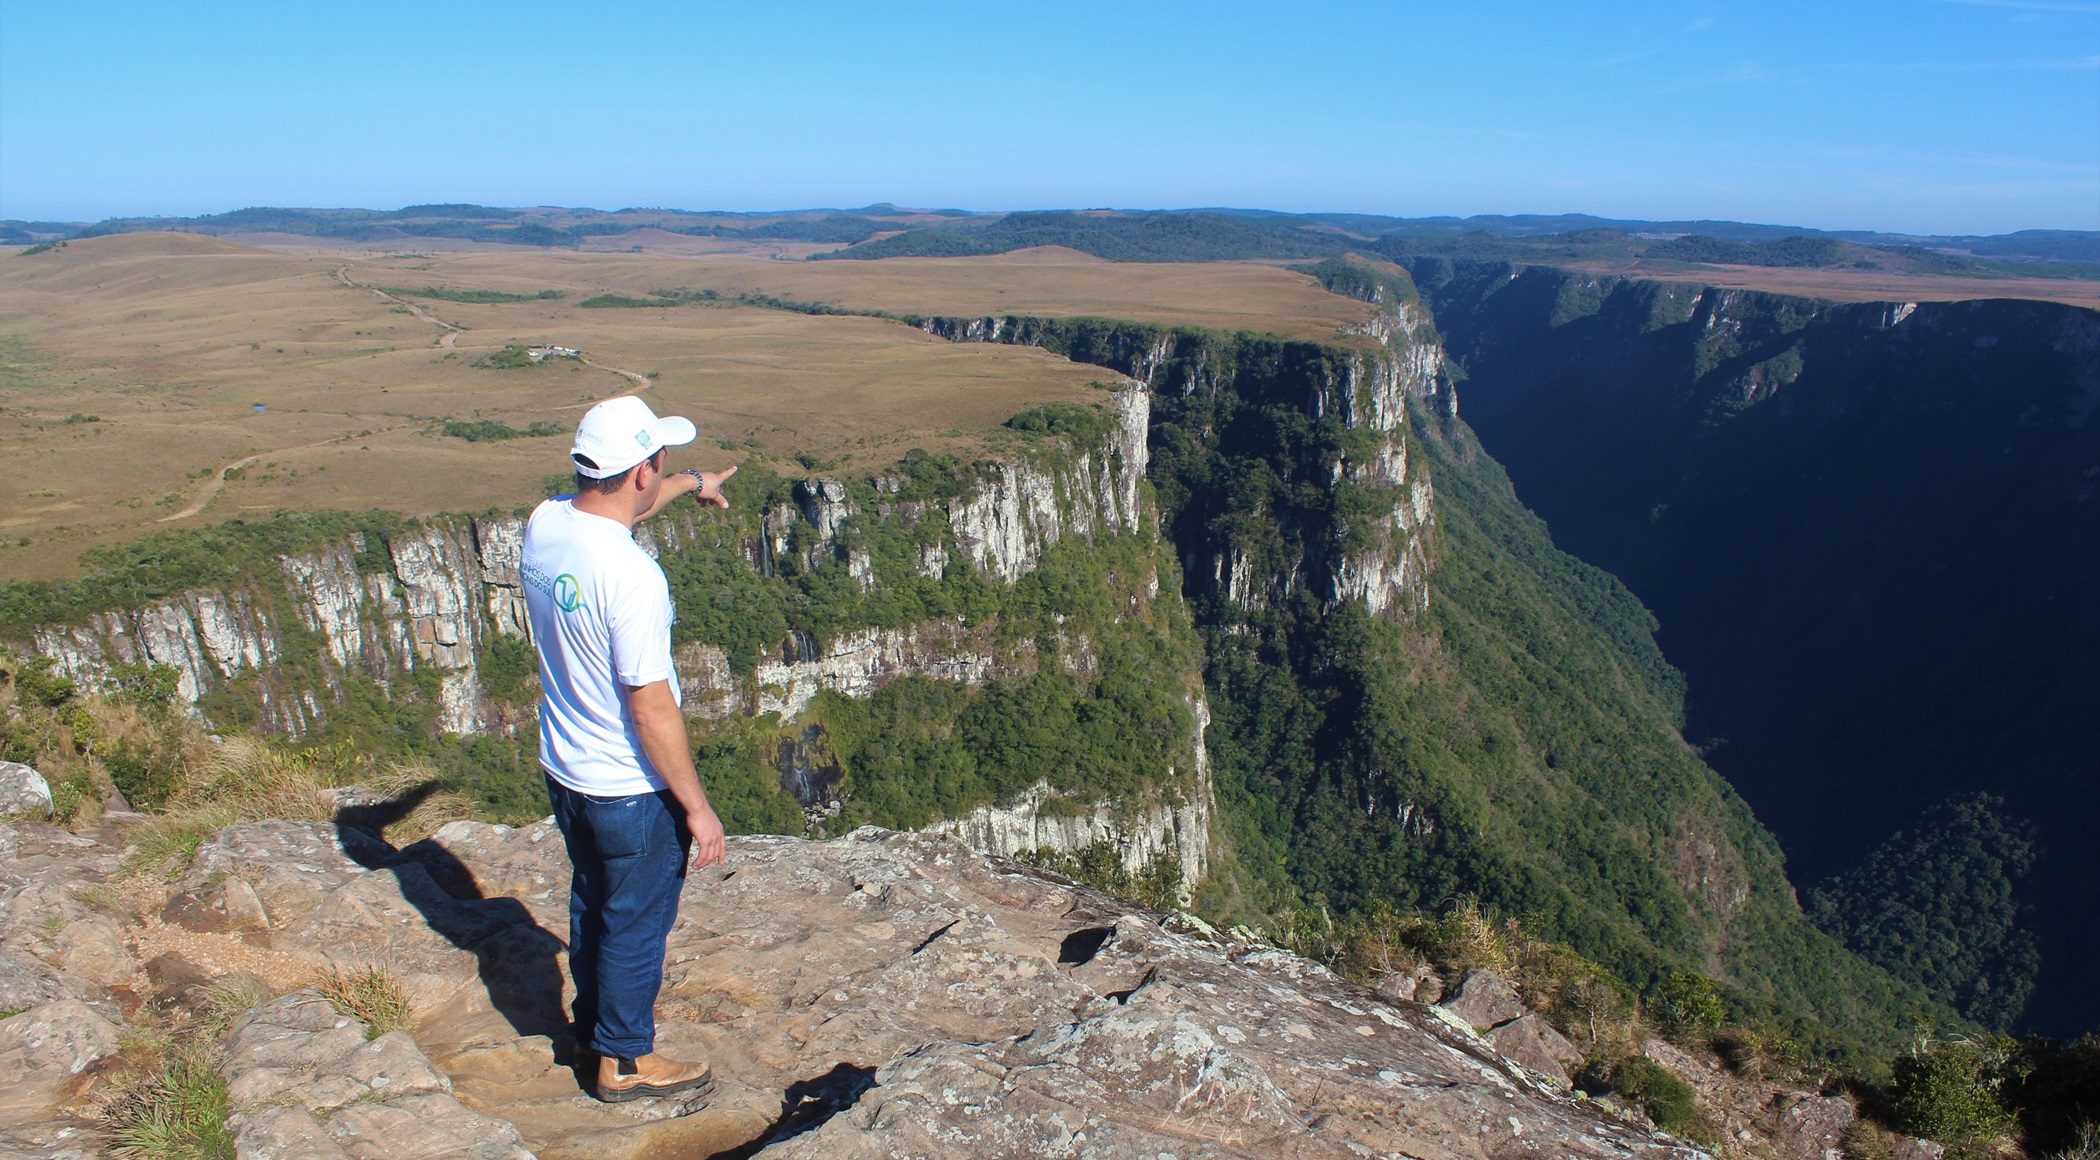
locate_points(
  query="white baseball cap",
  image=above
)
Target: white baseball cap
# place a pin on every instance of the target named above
(619, 433)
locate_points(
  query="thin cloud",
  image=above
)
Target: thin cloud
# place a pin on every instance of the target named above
(1742, 74)
(2080, 7)
(1623, 58)
(2060, 64)
(1969, 160)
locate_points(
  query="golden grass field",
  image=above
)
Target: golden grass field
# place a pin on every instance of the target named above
(131, 366)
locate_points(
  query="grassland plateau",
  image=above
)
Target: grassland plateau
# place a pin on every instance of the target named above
(163, 378)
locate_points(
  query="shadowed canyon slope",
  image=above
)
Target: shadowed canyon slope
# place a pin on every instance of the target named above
(1870, 533)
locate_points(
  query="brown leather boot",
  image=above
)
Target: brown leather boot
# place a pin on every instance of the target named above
(651, 1075)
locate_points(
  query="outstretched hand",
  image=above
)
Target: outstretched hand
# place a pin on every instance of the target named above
(710, 489)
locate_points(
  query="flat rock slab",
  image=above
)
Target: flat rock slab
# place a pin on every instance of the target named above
(46, 1053)
(304, 1081)
(887, 994)
(879, 994)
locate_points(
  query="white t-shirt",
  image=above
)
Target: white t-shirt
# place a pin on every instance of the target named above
(601, 618)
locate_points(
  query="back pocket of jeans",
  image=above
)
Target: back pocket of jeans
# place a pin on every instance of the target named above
(622, 827)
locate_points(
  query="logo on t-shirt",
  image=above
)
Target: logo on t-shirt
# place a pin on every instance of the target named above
(567, 595)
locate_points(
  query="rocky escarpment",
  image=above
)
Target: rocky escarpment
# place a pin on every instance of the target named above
(875, 995)
(1378, 553)
(416, 611)
(426, 598)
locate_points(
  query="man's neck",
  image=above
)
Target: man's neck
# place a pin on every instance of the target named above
(617, 507)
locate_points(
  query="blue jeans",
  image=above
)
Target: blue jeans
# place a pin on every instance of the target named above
(629, 858)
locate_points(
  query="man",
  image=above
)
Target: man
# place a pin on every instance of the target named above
(612, 737)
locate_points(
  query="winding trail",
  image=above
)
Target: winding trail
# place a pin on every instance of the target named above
(449, 340)
(217, 482)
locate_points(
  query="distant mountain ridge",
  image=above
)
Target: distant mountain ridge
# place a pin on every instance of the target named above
(1204, 234)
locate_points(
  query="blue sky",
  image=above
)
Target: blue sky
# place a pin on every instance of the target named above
(1940, 116)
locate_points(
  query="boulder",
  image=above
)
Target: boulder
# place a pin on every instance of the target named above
(44, 1052)
(288, 867)
(92, 946)
(23, 790)
(303, 1080)
(1536, 1044)
(1485, 999)
(26, 981)
(1906, 1148)
(1814, 1128)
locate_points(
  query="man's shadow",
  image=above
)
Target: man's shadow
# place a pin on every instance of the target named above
(517, 958)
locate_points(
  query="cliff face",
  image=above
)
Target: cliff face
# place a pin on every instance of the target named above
(427, 600)
(1871, 534)
(428, 603)
(1356, 397)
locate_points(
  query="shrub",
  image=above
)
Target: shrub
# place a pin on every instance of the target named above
(1157, 884)
(1689, 1006)
(1948, 1090)
(511, 357)
(483, 430)
(2085, 1147)
(1761, 1052)
(1668, 1100)
(1466, 938)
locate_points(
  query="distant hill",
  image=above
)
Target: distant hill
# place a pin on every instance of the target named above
(885, 230)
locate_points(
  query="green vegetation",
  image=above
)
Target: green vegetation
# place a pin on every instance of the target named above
(1939, 905)
(1356, 280)
(1667, 1100)
(1103, 714)
(1157, 884)
(1123, 237)
(483, 430)
(1689, 1006)
(178, 1114)
(447, 294)
(1793, 251)
(604, 301)
(666, 298)
(1950, 1091)
(514, 356)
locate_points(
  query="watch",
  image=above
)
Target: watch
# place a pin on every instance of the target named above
(698, 482)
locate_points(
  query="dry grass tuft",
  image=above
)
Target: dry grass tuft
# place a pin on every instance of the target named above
(255, 779)
(227, 998)
(430, 815)
(369, 994)
(243, 779)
